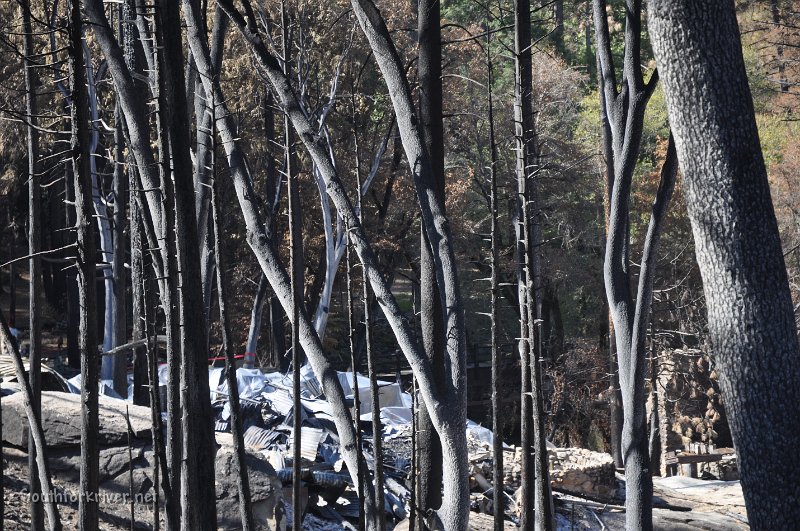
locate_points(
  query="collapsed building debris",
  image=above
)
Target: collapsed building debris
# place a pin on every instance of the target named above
(329, 496)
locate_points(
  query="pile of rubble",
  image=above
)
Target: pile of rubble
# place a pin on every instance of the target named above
(573, 470)
(267, 413)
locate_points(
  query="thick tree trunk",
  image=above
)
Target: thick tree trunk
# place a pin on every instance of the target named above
(750, 315)
(429, 68)
(90, 450)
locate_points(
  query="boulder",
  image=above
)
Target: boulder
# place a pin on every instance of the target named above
(61, 420)
(265, 490)
(65, 462)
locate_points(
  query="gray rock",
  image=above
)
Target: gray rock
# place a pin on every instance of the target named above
(61, 420)
(65, 462)
(265, 491)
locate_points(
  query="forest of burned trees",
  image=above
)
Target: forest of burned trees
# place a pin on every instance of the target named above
(517, 209)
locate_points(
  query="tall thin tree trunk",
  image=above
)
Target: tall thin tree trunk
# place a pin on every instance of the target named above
(169, 303)
(429, 68)
(198, 498)
(498, 500)
(297, 282)
(120, 191)
(119, 276)
(34, 264)
(523, 118)
(536, 499)
(90, 450)
(377, 428)
(615, 394)
(356, 391)
(160, 464)
(43, 478)
(257, 311)
(237, 429)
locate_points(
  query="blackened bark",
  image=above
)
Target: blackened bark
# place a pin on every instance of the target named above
(141, 395)
(624, 107)
(255, 323)
(169, 299)
(70, 277)
(90, 450)
(356, 392)
(297, 281)
(615, 395)
(498, 499)
(750, 315)
(237, 429)
(259, 240)
(137, 130)
(198, 498)
(454, 510)
(34, 264)
(536, 499)
(429, 73)
(377, 428)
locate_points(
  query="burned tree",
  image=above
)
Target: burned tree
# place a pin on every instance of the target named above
(429, 72)
(79, 116)
(750, 312)
(624, 106)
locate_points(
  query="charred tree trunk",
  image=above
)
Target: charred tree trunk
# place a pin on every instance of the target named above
(615, 395)
(90, 450)
(356, 391)
(429, 72)
(198, 498)
(750, 315)
(237, 429)
(262, 245)
(169, 300)
(34, 264)
(624, 107)
(119, 278)
(498, 499)
(259, 302)
(450, 415)
(536, 499)
(297, 283)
